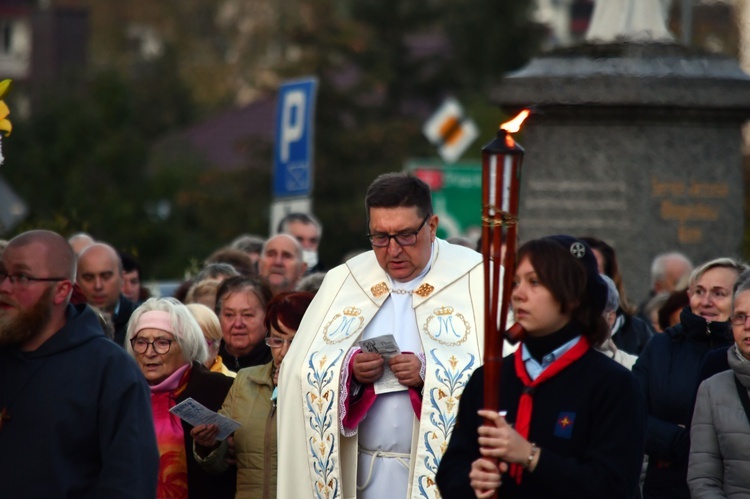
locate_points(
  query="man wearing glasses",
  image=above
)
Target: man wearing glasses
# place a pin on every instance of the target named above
(374, 424)
(75, 413)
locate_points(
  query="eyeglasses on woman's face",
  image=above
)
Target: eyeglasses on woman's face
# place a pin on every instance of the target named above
(160, 345)
(738, 319)
(276, 342)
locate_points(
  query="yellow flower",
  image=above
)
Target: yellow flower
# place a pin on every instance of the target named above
(5, 125)
(4, 87)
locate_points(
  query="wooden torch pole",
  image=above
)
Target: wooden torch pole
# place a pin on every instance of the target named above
(501, 176)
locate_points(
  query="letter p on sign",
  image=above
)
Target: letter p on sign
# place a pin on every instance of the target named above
(292, 169)
(292, 120)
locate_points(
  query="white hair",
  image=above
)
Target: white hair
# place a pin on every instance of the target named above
(659, 265)
(187, 332)
(613, 297)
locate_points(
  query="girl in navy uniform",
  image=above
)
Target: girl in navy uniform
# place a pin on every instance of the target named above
(571, 421)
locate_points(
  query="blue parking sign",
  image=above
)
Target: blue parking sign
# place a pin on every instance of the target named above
(292, 165)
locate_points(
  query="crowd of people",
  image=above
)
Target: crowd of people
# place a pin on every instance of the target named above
(366, 380)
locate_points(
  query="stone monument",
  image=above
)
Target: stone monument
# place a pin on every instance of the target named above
(638, 142)
(632, 20)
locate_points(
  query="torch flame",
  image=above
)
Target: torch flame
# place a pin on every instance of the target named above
(514, 125)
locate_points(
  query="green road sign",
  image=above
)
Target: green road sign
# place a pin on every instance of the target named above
(456, 195)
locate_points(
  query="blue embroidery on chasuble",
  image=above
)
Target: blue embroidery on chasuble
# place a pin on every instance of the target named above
(322, 421)
(442, 401)
(447, 327)
(343, 326)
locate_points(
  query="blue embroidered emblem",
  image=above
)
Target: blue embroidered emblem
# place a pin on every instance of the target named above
(343, 326)
(564, 425)
(446, 324)
(446, 332)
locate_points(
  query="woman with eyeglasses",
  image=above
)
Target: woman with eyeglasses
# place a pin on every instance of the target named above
(252, 402)
(168, 345)
(669, 373)
(720, 432)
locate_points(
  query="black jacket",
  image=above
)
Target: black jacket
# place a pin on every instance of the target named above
(80, 418)
(714, 362)
(598, 455)
(669, 373)
(209, 389)
(633, 335)
(260, 355)
(120, 320)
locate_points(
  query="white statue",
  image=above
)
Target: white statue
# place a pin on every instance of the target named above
(629, 20)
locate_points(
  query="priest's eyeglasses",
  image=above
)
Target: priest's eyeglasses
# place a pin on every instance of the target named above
(23, 280)
(407, 238)
(160, 345)
(738, 319)
(276, 342)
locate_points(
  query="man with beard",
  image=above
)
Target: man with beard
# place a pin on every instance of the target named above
(281, 265)
(75, 413)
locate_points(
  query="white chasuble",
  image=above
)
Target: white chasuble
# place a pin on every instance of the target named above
(385, 434)
(315, 459)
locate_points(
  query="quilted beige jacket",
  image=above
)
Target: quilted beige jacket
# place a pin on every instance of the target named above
(249, 403)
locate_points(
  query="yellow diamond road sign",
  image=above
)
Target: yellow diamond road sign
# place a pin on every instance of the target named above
(450, 131)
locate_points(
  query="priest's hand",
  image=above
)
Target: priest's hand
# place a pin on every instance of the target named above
(498, 439)
(367, 367)
(406, 367)
(485, 476)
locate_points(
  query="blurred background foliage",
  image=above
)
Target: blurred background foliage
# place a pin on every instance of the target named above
(101, 152)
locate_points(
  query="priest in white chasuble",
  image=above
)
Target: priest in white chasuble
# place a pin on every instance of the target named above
(369, 390)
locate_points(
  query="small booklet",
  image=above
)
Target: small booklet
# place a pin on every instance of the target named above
(387, 347)
(197, 414)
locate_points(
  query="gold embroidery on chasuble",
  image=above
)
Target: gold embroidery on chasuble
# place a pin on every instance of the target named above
(379, 289)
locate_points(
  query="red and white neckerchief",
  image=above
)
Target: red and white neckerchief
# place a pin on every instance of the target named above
(525, 406)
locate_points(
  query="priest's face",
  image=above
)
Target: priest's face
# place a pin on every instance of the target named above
(402, 262)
